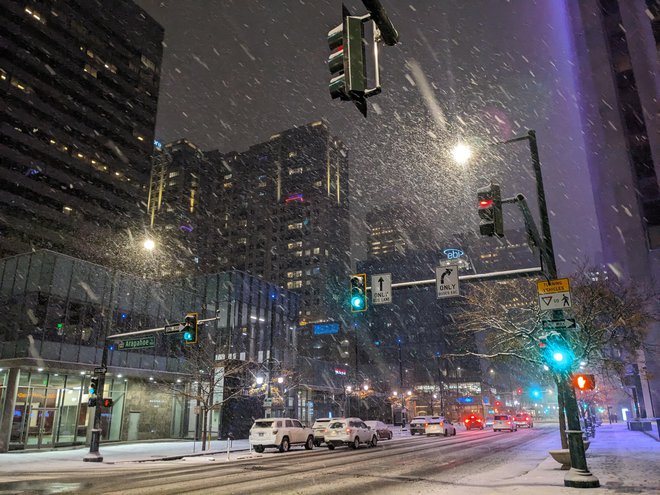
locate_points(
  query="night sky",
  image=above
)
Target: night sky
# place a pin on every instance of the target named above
(236, 72)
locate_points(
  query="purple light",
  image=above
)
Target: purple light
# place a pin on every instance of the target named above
(186, 228)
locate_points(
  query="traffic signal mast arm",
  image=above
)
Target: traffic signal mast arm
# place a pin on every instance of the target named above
(154, 330)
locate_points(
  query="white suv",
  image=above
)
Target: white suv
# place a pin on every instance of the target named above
(280, 433)
(419, 423)
(351, 432)
(319, 427)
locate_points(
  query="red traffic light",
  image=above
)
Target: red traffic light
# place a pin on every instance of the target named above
(498, 403)
(583, 381)
(108, 402)
(519, 391)
(485, 203)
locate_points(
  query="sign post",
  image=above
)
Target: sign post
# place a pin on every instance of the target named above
(554, 294)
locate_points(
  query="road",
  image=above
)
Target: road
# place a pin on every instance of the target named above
(399, 466)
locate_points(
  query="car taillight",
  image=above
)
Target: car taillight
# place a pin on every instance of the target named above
(348, 430)
(425, 425)
(478, 421)
(526, 419)
(508, 422)
(467, 420)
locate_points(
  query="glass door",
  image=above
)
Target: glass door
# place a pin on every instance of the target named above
(41, 428)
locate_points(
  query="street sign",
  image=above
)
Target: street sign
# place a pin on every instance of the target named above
(381, 288)
(100, 371)
(268, 401)
(446, 281)
(555, 324)
(174, 328)
(141, 343)
(554, 294)
(561, 300)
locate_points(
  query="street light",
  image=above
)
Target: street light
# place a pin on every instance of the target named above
(461, 153)
(579, 475)
(149, 244)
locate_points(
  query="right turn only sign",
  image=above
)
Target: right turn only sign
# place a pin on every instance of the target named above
(446, 281)
(554, 294)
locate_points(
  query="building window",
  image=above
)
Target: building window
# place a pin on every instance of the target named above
(90, 70)
(296, 284)
(173, 174)
(294, 245)
(243, 223)
(295, 226)
(147, 63)
(317, 250)
(298, 254)
(292, 154)
(227, 185)
(242, 240)
(318, 183)
(295, 171)
(20, 85)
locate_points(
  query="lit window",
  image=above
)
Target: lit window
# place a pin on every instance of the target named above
(243, 223)
(262, 184)
(227, 185)
(173, 174)
(317, 250)
(295, 226)
(20, 85)
(295, 171)
(67, 210)
(147, 63)
(298, 254)
(227, 177)
(292, 154)
(294, 245)
(296, 284)
(3, 75)
(90, 70)
(35, 15)
(307, 252)
(318, 183)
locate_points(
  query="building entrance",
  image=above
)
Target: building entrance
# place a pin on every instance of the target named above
(41, 428)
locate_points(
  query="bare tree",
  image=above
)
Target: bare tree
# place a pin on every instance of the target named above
(612, 317)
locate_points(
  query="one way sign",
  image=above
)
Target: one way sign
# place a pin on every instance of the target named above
(381, 288)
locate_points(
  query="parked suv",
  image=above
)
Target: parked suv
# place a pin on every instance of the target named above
(280, 433)
(319, 428)
(419, 423)
(351, 432)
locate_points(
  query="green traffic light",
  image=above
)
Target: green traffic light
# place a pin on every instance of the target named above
(357, 302)
(187, 336)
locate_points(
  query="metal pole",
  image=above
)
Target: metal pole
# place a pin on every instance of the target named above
(579, 475)
(269, 363)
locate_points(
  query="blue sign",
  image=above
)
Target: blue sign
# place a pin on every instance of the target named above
(453, 253)
(325, 328)
(465, 400)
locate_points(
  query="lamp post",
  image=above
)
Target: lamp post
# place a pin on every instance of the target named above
(579, 475)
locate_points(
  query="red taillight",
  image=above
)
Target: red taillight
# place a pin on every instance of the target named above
(467, 420)
(508, 422)
(526, 419)
(478, 421)
(425, 425)
(348, 430)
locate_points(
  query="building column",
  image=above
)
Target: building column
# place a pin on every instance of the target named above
(8, 409)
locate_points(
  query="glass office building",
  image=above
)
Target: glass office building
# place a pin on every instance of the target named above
(57, 313)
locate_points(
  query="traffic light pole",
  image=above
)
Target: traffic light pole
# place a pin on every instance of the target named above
(579, 475)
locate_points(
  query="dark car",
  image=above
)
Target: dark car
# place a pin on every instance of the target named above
(474, 422)
(382, 430)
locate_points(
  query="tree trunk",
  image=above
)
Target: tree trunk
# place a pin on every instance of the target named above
(204, 413)
(562, 415)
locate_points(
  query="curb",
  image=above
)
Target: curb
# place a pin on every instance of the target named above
(178, 457)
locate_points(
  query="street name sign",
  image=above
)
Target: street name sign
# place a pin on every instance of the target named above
(381, 288)
(141, 343)
(554, 294)
(101, 370)
(446, 281)
(174, 328)
(555, 324)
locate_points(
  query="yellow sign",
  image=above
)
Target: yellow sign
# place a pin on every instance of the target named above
(553, 286)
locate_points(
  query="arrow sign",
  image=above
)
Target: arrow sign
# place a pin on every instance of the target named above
(565, 323)
(381, 288)
(174, 328)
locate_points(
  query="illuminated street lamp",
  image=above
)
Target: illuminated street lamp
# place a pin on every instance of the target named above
(461, 153)
(260, 380)
(149, 244)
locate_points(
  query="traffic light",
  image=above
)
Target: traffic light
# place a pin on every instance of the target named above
(557, 353)
(190, 329)
(94, 385)
(108, 402)
(583, 381)
(347, 60)
(519, 391)
(91, 402)
(490, 211)
(498, 403)
(359, 292)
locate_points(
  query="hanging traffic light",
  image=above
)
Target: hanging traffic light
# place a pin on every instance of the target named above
(583, 381)
(189, 330)
(347, 61)
(94, 385)
(557, 353)
(490, 211)
(359, 292)
(519, 391)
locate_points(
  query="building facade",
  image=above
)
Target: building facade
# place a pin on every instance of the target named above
(78, 93)
(59, 311)
(616, 48)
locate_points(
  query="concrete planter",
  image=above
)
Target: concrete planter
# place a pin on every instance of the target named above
(563, 457)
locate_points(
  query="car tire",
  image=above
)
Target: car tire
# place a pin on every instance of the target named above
(374, 441)
(446, 433)
(259, 449)
(309, 444)
(285, 445)
(331, 446)
(389, 437)
(454, 434)
(317, 443)
(356, 443)
(412, 432)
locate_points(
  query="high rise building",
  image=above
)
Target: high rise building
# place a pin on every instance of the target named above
(78, 92)
(388, 230)
(616, 47)
(280, 211)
